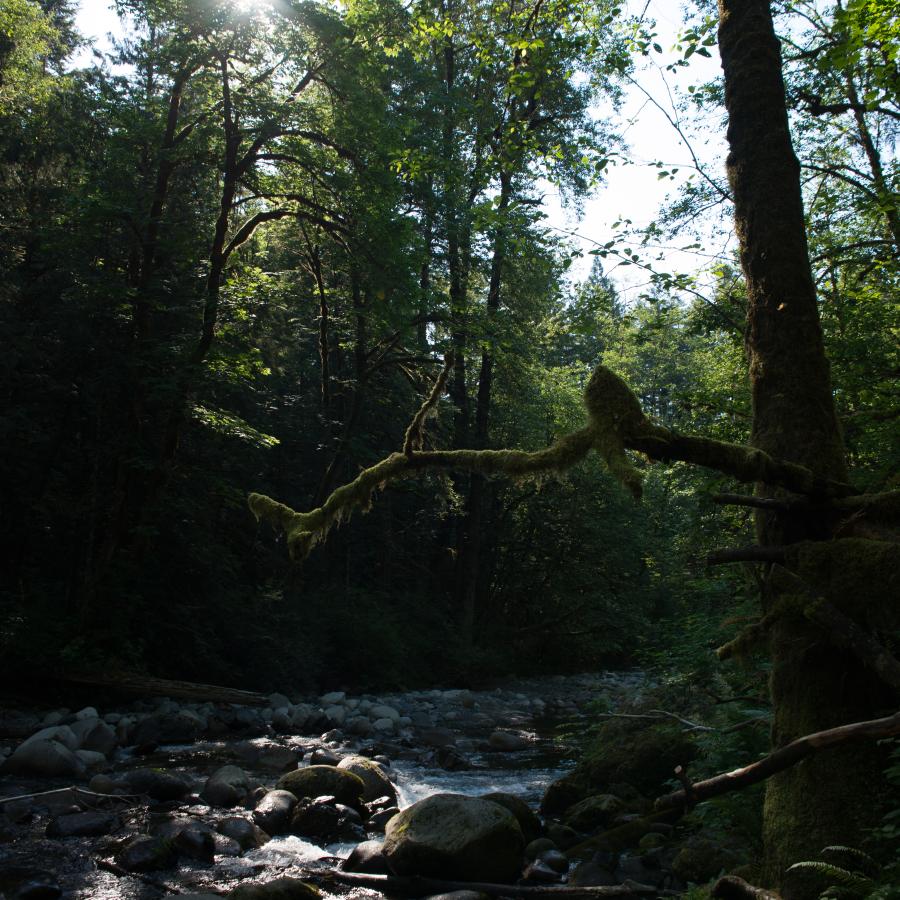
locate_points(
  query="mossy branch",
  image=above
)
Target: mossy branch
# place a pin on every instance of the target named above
(616, 423)
(415, 434)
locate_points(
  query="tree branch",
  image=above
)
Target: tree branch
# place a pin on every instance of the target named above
(782, 759)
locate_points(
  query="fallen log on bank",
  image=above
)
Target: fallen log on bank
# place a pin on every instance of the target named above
(419, 886)
(147, 686)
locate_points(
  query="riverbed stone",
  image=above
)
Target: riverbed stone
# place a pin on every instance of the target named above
(368, 858)
(273, 812)
(280, 889)
(156, 784)
(178, 727)
(320, 781)
(83, 824)
(46, 758)
(594, 812)
(375, 783)
(383, 711)
(507, 741)
(324, 756)
(242, 830)
(62, 734)
(527, 819)
(94, 734)
(146, 853)
(326, 821)
(452, 836)
(227, 786)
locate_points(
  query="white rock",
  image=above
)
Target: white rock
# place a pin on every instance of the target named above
(336, 715)
(45, 757)
(89, 712)
(383, 711)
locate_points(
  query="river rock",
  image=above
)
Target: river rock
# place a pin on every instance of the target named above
(146, 854)
(326, 821)
(528, 820)
(538, 846)
(279, 701)
(180, 727)
(273, 812)
(563, 836)
(323, 756)
(452, 836)
(156, 784)
(332, 698)
(247, 834)
(383, 711)
(280, 889)
(507, 741)
(701, 859)
(336, 715)
(18, 725)
(368, 858)
(39, 889)
(91, 759)
(46, 758)
(227, 786)
(94, 734)
(321, 781)
(195, 840)
(594, 812)
(62, 734)
(384, 724)
(378, 821)
(375, 783)
(83, 824)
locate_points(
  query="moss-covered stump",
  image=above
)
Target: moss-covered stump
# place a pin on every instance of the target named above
(455, 837)
(324, 781)
(624, 751)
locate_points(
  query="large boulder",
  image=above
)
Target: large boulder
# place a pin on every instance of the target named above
(527, 819)
(47, 758)
(273, 812)
(375, 783)
(94, 734)
(324, 781)
(451, 836)
(594, 812)
(227, 786)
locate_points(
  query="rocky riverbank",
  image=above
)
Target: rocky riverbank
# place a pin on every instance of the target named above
(159, 798)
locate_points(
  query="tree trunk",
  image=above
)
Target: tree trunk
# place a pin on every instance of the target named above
(830, 798)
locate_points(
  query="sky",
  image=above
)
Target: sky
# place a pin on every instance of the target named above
(633, 191)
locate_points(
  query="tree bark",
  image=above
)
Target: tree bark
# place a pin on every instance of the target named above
(829, 799)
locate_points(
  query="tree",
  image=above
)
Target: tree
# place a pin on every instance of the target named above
(796, 447)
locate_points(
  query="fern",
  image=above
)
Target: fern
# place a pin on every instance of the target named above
(845, 881)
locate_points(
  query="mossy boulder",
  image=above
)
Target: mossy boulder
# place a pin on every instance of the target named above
(455, 837)
(324, 781)
(700, 860)
(525, 816)
(624, 751)
(280, 889)
(375, 783)
(594, 812)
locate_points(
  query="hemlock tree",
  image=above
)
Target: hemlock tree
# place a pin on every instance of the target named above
(831, 556)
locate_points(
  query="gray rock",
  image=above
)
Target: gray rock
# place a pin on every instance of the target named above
(359, 725)
(332, 698)
(563, 836)
(39, 889)
(83, 824)
(273, 812)
(279, 701)
(103, 784)
(91, 759)
(226, 846)
(451, 836)
(557, 861)
(182, 726)
(89, 712)
(321, 781)
(336, 715)
(156, 784)
(322, 756)
(280, 889)
(326, 821)
(378, 821)
(538, 846)
(507, 741)
(195, 840)
(146, 854)
(527, 819)
(592, 873)
(94, 734)
(274, 758)
(375, 783)
(538, 872)
(62, 734)
(383, 711)
(368, 858)
(46, 758)
(384, 724)
(227, 786)
(245, 832)
(594, 812)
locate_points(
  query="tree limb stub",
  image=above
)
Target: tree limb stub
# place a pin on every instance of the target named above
(781, 759)
(419, 886)
(616, 423)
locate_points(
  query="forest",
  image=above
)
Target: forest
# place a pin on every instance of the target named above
(304, 391)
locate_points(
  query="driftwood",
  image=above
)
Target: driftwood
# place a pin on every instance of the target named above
(418, 886)
(107, 865)
(779, 760)
(75, 794)
(730, 887)
(133, 683)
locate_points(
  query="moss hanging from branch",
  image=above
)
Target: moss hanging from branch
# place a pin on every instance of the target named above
(616, 423)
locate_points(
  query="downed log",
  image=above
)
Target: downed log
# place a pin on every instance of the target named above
(75, 795)
(730, 887)
(780, 759)
(145, 685)
(419, 886)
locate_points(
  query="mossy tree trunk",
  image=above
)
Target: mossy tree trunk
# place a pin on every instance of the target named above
(827, 799)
